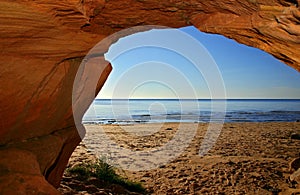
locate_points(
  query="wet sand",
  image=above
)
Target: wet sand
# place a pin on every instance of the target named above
(247, 158)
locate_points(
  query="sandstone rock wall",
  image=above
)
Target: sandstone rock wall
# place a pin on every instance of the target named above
(270, 25)
(43, 43)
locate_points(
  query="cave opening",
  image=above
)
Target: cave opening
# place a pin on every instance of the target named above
(157, 89)
(153, 83)
(245, 72)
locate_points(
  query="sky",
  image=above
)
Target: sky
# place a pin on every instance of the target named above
(187, 63)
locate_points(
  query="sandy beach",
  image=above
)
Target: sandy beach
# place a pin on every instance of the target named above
(247, 158)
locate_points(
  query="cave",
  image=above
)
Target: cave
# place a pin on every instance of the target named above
(44, 43)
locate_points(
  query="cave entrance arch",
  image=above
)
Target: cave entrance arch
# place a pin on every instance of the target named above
(86, 81)
(97, 55)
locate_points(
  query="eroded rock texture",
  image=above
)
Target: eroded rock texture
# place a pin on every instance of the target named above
(43, 43)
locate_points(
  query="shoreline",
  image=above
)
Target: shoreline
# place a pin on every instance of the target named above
(247, 158)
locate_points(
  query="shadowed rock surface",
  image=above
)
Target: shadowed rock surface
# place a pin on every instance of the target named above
(43, 43)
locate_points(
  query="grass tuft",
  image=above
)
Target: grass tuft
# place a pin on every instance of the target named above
(106, 172)
(82, 172)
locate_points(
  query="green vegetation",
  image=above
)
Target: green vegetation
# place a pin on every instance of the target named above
(106, 172)
(82, 172)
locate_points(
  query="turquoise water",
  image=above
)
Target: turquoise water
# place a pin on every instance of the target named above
(173, 110)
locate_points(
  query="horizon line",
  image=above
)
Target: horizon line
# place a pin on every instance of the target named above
(197, 99)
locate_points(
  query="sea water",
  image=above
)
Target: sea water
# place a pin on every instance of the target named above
(124, 111)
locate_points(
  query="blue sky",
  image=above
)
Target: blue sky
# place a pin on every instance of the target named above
(149, 71)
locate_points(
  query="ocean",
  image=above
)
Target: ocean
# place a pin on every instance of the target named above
(132, 111)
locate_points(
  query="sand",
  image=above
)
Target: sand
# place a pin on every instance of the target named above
(247, 158)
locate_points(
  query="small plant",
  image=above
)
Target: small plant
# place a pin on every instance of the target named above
(103, 170)
(106, 172)
(82, 172)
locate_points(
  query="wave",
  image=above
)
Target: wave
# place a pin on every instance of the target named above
(271, 116)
